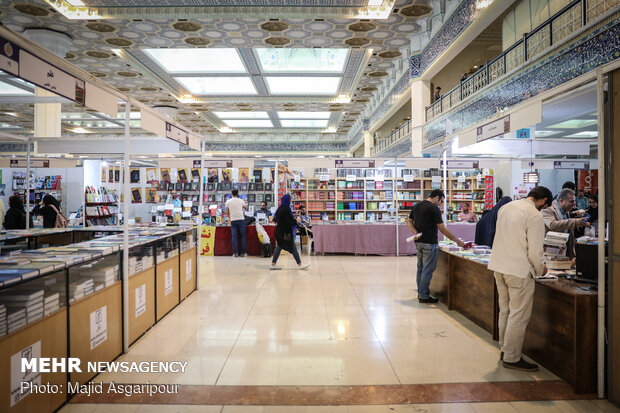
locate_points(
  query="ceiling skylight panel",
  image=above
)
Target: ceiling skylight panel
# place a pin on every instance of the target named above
(248, 123)
(215, 60)
(302, 60)
(305, 85)
(304, 123)
(218, 85)
(242, 115)
(304, 115)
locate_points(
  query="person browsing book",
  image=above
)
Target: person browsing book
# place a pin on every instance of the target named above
(235, 208)
(424, 221)
(15, 217)
(516, 258)
(49, 207)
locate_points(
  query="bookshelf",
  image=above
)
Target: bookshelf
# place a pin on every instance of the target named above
(253, 193)
(161, 195)
(359, 198)
(100, 206)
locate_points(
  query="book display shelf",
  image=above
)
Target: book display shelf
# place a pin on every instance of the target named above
(376, 195)
(49, 292)
(217, 193)
(162, 194)
(100, 206)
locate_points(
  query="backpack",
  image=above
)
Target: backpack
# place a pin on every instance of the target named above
(61, 221)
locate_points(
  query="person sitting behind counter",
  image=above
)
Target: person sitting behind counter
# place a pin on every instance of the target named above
(263, 210)
(467, 215)
(557, 219)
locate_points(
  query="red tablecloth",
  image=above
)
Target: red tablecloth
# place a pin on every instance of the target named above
(223, 240)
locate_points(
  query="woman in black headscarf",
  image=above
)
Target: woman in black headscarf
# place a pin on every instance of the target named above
(16, 215)
(485, 228)
(285, 233)
(49, 207)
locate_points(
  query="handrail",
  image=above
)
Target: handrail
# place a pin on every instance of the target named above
(511, 58)
(402, 131)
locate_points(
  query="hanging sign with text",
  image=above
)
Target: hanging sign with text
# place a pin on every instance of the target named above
(355, 163)
(493, 129)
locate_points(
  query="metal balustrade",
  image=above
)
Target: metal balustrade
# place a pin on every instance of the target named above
(402, 132)
(561, 25)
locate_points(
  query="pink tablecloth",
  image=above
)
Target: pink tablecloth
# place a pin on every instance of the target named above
(374, 239)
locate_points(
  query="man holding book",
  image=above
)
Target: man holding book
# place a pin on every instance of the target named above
(557, 218)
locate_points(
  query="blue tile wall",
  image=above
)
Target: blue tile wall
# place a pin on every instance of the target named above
(596, 48)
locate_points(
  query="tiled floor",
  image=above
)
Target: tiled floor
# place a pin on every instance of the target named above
(347, 321)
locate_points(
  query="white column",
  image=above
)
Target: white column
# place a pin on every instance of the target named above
(200, 211)
(420, 99)
(125, 179)
(368, 143)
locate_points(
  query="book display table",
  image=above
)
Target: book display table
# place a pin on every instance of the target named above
(66, 301)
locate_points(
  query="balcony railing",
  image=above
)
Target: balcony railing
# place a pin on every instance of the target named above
(402, 132)
(561, 25)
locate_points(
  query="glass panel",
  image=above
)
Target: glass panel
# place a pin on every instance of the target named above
(303, 85)
(597, 8)
(557, 5)
(7, 89)
(455, 96)
(249, 123)
(166, 248)
(242, 115)
(302, 60)
(141, 258)
(304, 123)
(514, 58)
(304, 115)
(496, 69)
(567, 23)
(540, 12)
(92, 276)
(218, 85)
(187, 240)
(480, 80)
(538, 43)
(197, 60)
(468, 86)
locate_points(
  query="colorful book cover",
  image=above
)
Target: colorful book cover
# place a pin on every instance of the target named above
(151, 195)
(182, 175)
(151, 174)
(136, 195)
(196, 174)
(227, 175)
(165, 174)
(258, 174)
(213, 175)
(134, 176)
(104, 173)
(244, 175)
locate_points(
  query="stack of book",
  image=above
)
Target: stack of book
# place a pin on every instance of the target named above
(3, 325)
(51, 303)
(24, 306)
(81, 288)
(104, 276)
(554, 248)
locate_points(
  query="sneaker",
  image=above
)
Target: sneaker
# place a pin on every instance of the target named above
(520, 365)
(303, 266)
(275, 267)
(429, 300)
(235, 255)
(243, 255)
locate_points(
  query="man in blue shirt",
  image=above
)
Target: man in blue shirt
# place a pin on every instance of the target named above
(581, 200)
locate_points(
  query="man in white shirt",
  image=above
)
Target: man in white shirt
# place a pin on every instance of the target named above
(516, 258)
(234, 209)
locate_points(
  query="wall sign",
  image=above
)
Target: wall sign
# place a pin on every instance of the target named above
(98, 326)
(324, 177)
(218, 163)
(9, 57)
(452, 164)
(523, 133)
(176, 134)
(355, 163)
(196, 164)
(493, 129)
(188, 269)
(23, 163)
(570, 165)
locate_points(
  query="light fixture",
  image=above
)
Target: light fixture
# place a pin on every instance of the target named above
(530, 177)
(342, 99)
(225, 129)
(73, 12)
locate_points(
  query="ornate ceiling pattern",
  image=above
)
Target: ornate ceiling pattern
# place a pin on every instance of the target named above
(93, 41)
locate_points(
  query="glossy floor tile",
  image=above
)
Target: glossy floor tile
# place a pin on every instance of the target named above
(346, 321)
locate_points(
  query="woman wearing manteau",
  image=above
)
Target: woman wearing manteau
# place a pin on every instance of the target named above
(48, 208)
(285, 233)
(16, 215)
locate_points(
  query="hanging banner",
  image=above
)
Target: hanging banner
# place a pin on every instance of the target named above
(588, 181)
(571, 165)
(207, 240)
(453, 164)
(355, 163)
(176, 134)
(493, 129)
(23, 163)
(218, 163)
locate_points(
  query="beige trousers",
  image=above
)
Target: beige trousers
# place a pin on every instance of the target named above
(516, 296)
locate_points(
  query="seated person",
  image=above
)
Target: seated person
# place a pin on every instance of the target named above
(593, 209)
(467, 215)
(557, 218)
(263, 210)
(304, 222)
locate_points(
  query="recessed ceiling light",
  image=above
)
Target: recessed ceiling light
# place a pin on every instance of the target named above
(545, 133)
(584, 134)
(574, 124)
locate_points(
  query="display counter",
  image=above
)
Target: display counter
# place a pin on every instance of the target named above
(223, 240)
(561, 335)
(67, 302)
(374, 238)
